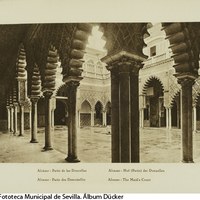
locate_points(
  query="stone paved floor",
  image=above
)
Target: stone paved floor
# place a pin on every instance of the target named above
(94, 146)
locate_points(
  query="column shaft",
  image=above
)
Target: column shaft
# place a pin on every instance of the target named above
(124, 88)
(48, 145)
(21, 129)
(167, 118)
(92, 118)
(34, 121)
(194, 119)
(116, 157)
(170, 118)
(11, 119)
(8, 114)
(178, 114)
(134, 96)
(15, 119)
(79, 119)
(187, 123)
(72, 123)
(142, 118)
(181, 110)
(52, 118)
(30, 116)
(104, 118)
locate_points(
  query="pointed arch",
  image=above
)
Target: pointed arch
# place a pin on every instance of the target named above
(85, 106)
(98, 116)
(107, 105)
(85, 113)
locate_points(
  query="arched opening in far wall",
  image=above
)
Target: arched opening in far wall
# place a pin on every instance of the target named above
(60, 114)
(85, 114)
(98, 116)
(108, 113)
(154, 112)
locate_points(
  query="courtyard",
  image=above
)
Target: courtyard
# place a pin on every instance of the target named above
(157, 145)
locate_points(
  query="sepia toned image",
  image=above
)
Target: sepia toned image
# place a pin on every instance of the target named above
(100, 93)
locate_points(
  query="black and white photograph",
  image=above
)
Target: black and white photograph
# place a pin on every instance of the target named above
(100, 93)
(99, 98)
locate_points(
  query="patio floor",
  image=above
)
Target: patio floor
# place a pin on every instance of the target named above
(157, 145)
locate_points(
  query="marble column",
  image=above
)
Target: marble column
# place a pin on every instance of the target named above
(52, 118)
(142, 118)
(47, 98)
(170, 118)
(104, 118)
(11, 119)
(178, 114)
(167, 117)
(72, 123)
(187, 136)
(124, 106)
(181, 109)
(134, 94)
(92, 117)
(79, 119)
(124, 67)
(30, 121)
(8, 117)
(116, 151)
(194, 119)
(34, 120)
(21, 113)
(15, 118)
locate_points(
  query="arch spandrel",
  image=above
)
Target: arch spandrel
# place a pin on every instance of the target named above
(124, 36)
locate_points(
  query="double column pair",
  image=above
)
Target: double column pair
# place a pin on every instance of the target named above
(124, 68)
(12, 118)
(125, 114)
(72, 121)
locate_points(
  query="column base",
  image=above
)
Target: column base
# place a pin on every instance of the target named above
(34, 141)
(48, 148)
(72, 159)
(187, 161)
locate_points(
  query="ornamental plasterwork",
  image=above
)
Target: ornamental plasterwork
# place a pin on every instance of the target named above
(174, 87)
(93, 97)
(196, 91)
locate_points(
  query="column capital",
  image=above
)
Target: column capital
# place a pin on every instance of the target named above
(21, 79)
(15, 104)
(69, 79)
(8, 107)
(22, 103)
(73, 84)
(34, 99)
(123, 58)
(186, 79)
(48, 93)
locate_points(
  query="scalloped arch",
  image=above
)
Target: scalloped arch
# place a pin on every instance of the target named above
(57, 89)
(173, 98)
(195, 98)
(148, 81)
